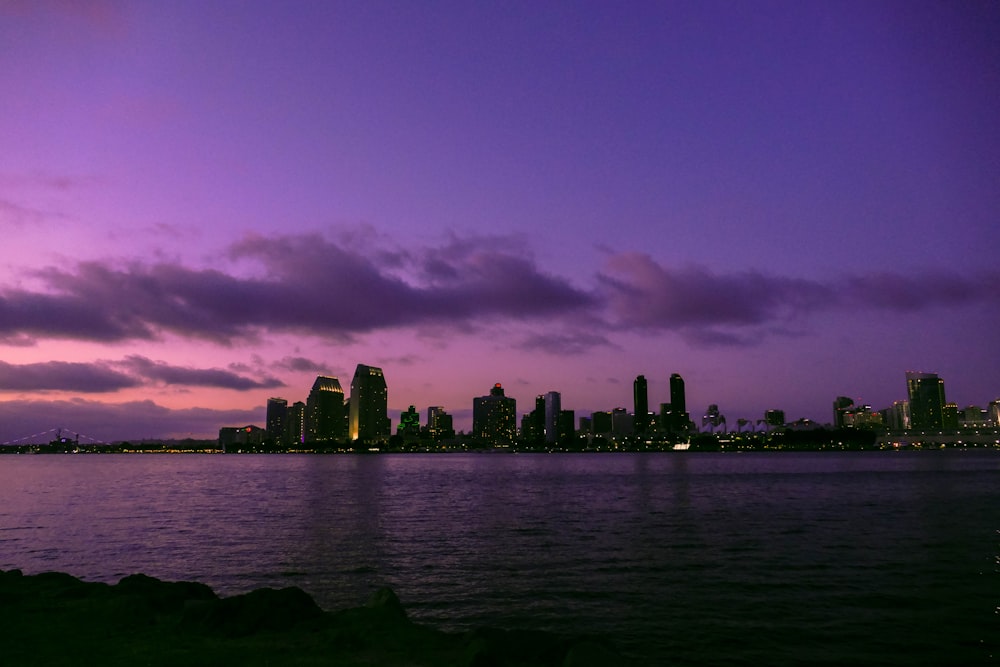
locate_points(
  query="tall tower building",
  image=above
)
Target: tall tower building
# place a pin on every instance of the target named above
(640, 395)
(678, 417)
(277, 419)
(926, 394)
(678, 403)
(325, 410)
(553, 405)
(369, 421)
(494, 417)
(295, 429)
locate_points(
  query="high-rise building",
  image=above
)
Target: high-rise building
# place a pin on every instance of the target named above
(774, 418)
(679, 417)
(897, 416)
(841, 408)
(295, 430)
(277, 419)
(494, 416)
(949, 416)
(621, 422)
(369, 417)
(439, 423)
(567, 432)
(325, 410)
(553, 406)
(678, 402)
(409, 423)
(600, 422)
(926, 394)
(640, 396)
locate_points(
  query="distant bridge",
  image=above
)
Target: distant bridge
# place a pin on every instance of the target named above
(61, 435)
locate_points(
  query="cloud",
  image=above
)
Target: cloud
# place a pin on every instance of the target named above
(109, 376)
(921, 290)
(643, 294)
(16, 215)
(63, 376)
(708, 308)
(309, 285)
(303, 284)
(301, 365)
(161, 372)
(109, 422)
(569, 344)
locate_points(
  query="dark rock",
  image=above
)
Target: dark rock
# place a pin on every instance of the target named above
(262, 610)
(163, 596)
(385, 599)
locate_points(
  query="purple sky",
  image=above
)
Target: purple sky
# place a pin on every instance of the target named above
(204, 204)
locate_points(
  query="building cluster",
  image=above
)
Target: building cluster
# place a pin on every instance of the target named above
(925, 409)
(324, 416)
(362, 419)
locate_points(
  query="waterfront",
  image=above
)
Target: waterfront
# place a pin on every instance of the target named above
(756, 558)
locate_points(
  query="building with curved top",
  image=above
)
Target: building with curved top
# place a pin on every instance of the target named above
(369, 405)
(325, 410)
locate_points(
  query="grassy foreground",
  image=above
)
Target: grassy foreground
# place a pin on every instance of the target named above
(56, 619)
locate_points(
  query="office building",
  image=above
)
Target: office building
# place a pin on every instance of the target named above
(295, 431)
(774, 418)
(409, 424)
(494, 417)
(277, 419)
(325, 410)
(674, 417)
(841, 409)
(369, 405)
(640, 398)
(553, 406)
(439, 423)
(926, 396)
(600, 422)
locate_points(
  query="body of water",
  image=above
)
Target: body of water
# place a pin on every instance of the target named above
(679, 558)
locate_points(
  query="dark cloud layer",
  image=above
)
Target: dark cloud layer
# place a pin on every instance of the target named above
(160, 372)
(308, 284)
(738, 309)
(109, 376)
(65, 376)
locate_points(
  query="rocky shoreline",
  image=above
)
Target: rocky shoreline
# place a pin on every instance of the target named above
(54, 618)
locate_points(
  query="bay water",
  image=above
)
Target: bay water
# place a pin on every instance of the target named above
(683, 558)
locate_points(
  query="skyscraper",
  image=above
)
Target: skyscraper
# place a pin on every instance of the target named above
(296, 427)
(640, 394)
(678, 403)
(553, 405)
(439, 423)
(369, 421)
(277, 419)
(926, 394)
(676, 418)
(325, 410)
(494, 416)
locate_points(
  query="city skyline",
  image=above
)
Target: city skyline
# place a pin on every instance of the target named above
(204, 205)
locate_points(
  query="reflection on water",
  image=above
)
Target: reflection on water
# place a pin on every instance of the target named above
(774, 558)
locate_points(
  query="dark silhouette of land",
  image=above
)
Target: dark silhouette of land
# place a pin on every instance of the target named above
(56, 619)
